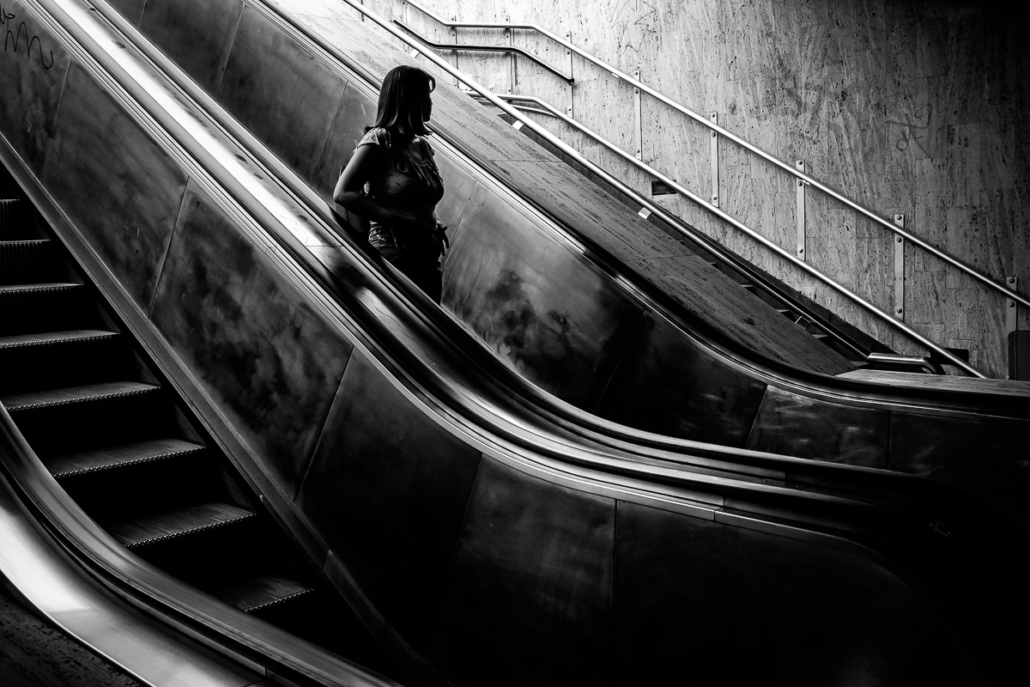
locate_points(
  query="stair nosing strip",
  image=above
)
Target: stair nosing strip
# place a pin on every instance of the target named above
(276, 602)
(179, 453)
(54, 342)
(205, 528)
(70, 401)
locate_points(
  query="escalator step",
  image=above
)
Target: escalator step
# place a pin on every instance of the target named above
(52, 359)
(72, 419)
(89, 462)
(10, 218)
(121, 481)
(26, 309)
(163, 527)
(26, 262)
(259, 592)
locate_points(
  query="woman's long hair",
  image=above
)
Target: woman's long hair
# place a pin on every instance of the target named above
(401, 100)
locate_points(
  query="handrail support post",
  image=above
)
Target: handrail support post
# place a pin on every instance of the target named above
(801, 215)
(715, 160)
(572, 84)
(1011, 306)
(899, 270)
(509, 34)
(639, 128)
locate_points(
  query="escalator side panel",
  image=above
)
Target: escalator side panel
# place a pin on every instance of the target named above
(115, 182)
(532, 577)
(387, 490)
(986, 457)
(737, 623)
(287, 97)
(357, 110)
(33, 73)
(201, 46)
(498, 282)
(667, 386)
(257, 345)
(807, 427)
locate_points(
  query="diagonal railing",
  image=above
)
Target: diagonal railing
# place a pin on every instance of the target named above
(803, 179)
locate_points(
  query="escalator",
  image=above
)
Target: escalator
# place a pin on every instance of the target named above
(562, 295)
(471, 530)
(112, 436)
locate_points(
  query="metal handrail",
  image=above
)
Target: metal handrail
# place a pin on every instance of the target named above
(854, 205)
(568, 78)
(651, 207)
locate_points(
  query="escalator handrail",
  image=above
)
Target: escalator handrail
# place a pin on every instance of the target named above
(769, 157)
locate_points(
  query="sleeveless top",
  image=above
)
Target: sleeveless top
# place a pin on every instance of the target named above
(404, 183)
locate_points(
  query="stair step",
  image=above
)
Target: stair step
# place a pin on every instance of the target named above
(31, 308)
(10, 218)
(176, 524)
(50, 398)
(258, 593)
(73, 419)
(46, 360)
(110, 458)
(26, 262)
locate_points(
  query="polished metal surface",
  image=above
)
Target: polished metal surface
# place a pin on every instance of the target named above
(115, 181)
(28, 108)
(663, 385)
(288, 98)
(532, 575)
(378, 449)
(199, 45)
(501, 284)
(263, 353)
(807, 428)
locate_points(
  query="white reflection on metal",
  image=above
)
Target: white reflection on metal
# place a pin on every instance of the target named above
(168, 101)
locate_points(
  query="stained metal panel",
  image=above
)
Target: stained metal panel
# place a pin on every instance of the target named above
(530, 595)
(33, 68)
(130, 9)
(196, 35)
(541, 306)
(120, 188)
(809, 428)
(286, 96)
(983, 457)
(732, 606)
(357, 110)
(249, 335)
(387, 489)
(665, 384)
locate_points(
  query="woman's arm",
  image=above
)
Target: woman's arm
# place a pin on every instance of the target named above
(363, 165)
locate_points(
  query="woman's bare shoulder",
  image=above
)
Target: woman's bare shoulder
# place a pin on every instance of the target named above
(378, 137)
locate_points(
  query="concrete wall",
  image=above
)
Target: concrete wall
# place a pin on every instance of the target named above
(906, 107)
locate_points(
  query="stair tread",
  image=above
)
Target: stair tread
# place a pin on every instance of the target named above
(258, 592)
(75, 394)
(25, 242)
(43, 338)
(159, 527)
(73, 464)
(42, 286)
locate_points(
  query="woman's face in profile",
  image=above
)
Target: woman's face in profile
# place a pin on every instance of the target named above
(427, 106)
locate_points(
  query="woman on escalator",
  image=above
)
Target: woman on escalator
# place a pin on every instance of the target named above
(392, 181)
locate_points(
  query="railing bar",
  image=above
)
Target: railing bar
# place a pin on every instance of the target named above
(836, 195)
